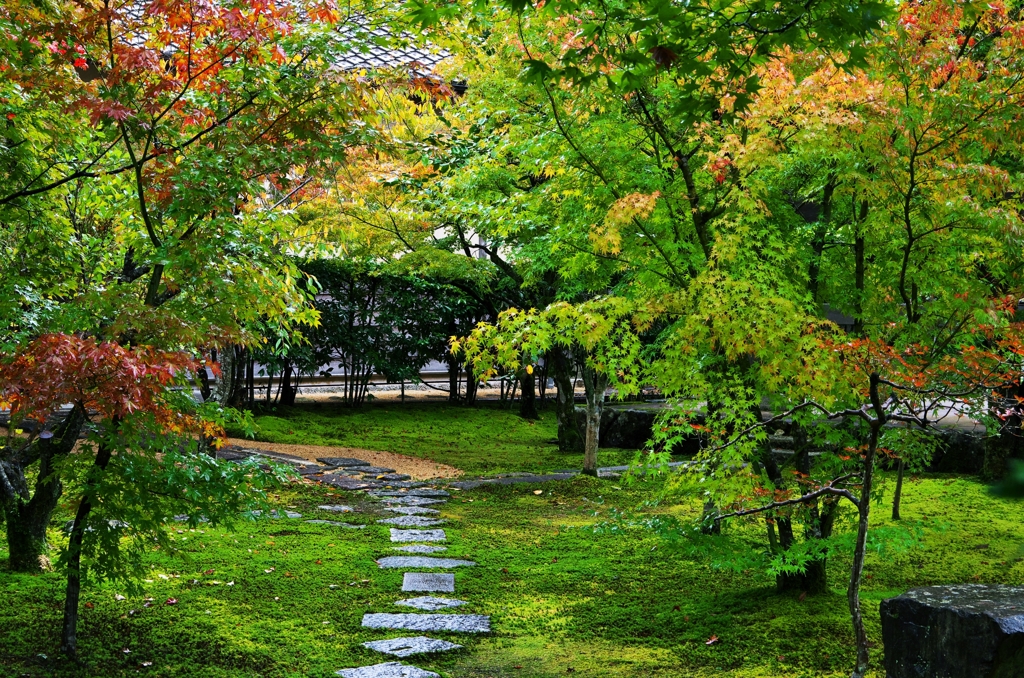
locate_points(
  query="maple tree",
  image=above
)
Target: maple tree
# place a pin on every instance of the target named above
(148, 150)
(888, 193)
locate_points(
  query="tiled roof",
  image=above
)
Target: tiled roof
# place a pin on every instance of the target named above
(379, 49)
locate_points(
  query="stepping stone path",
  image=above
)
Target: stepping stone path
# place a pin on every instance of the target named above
(403, 647)
(412, 521)
(428, 492)
(342, 461)
(336, 508)
(418, 535)
(388, 670)
(462, 623)
(425, 581)
(412, 510)
(423, 561)
(430, 603)
(413, 501)
(410, 503)
(368, 470)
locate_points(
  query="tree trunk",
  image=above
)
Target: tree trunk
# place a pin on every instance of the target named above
(26, 519)
(596, 384)
(860, 547)
(472, 384)
(69, 632)
(453, 378)
(563, 371)
(528, 399)
(289, 385)
(899, 492)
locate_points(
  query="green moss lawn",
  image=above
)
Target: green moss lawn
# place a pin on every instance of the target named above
(564, 601)
(481, 440)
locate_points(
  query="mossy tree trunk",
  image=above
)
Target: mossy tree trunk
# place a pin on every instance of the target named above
(596, 384)
(27, 514)
(563, 371)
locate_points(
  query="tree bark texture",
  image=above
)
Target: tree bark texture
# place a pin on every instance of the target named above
(69, 630)
(596, 384)
(563, 371)
(528, 396)
(27, 515)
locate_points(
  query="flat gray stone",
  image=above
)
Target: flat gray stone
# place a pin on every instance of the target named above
(428, 582)
(336, 523)
(403, 647)
(274, 513)
(342, 461)
(419, 548)
(418, 535)
(411, 521)
(395, 477)
(413, 510)
(336, 508)
(347, 483)
(391, 562)
(412, 501)
(366, 470)
(461, 623)
(430, 603)
(387, 670)
(429, 492)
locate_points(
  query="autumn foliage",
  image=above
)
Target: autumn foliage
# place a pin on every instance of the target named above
(107, 379)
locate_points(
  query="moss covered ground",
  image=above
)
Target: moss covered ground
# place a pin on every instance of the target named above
(481, 440)
(564, 601)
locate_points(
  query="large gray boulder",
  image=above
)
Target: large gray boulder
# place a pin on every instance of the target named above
(959, 631)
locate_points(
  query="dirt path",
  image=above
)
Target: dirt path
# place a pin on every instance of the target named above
(419, 469)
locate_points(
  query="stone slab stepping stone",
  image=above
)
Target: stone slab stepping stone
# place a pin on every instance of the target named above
(411, 521)
(309, 470)
(413, 510)
(387, 670)
(391, 484)
(336, 508)
(275, 514)
(460, 623)
(347, 483)
(412, 501)
(418, 535)
(430, 603)
(342, 461)
(428, 582)
(429, 492)
(364, 470)
(403, 647)
(336, 523)
(389, 562)
(394, 477)
(419, 548)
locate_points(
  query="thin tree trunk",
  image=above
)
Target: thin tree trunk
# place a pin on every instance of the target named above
(860, 548)
(453, 378)
(289, 385)
(595, 384)
(69, 632)
(899, 491)
(471, 385)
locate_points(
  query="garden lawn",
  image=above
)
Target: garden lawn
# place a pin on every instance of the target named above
(481, 440)
(563, 600)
